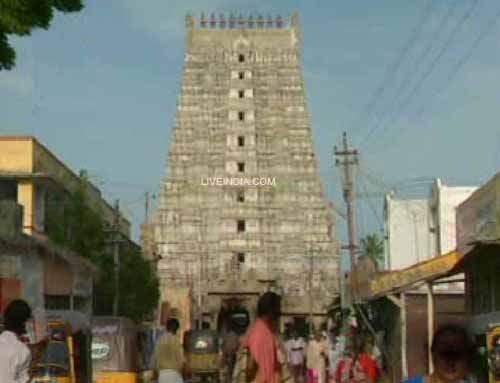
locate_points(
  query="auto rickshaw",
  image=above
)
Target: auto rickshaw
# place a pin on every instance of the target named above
(493, 339)
(115, 350)
(203, 354)
(66, 358)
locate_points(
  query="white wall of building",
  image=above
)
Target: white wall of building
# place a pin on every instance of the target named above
(409, 231)
(417, 230)
(445, 200)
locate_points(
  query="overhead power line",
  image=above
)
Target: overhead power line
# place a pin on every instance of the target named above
(488, 28)
(420, 62)
(371, 205)
(436, 36)
(406, 101)
(393, 69)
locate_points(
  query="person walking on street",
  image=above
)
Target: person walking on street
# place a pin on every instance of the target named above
(263, 359)
(169, 360)
(296, 349)
(317, 355)
(357, 366)
(16, 356)
(230, 347)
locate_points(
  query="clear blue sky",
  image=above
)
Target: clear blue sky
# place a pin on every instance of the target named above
(99, 89)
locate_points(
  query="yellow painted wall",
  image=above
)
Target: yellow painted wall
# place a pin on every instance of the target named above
(16, 155)
(45, 162)
(26, 198)
(27, 155)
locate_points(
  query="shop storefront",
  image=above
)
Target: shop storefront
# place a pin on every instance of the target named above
(421, 308)
(478, 238)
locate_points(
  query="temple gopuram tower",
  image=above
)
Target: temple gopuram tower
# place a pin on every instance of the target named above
(242, 209)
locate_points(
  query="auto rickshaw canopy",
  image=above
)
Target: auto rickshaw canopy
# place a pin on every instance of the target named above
(115, 346)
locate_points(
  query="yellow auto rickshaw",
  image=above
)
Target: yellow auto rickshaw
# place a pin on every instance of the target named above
(203, 354)
(115, 350)
(493, 339)
(66, 358)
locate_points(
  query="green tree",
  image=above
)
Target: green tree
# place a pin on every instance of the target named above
(73, 223)
(373, 247)
(20, 17)
(139, 287)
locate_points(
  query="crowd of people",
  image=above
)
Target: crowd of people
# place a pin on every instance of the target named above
(327, 357)
(323, 358)
(262, 355)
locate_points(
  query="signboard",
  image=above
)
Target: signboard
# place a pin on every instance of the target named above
(478, 217)
(433, 268)
(110, 329)
(100, 350)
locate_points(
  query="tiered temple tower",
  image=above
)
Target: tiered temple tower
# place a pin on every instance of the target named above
(242, 115)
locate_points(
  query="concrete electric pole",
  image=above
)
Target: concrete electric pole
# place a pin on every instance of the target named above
(347, 159)
(146, 208)
(116, 256)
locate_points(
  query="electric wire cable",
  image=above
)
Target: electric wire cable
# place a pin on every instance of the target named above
(403, 104)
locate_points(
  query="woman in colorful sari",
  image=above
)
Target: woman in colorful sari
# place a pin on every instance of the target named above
(263, 362)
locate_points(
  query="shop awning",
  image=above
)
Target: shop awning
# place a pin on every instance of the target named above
(427, 271)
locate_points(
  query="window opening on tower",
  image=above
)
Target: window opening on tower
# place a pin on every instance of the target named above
(241, 257)
(240, 195)
(241, 226)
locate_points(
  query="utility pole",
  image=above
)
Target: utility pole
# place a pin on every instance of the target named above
(203, 251)
(116, 256)
(311, 274)
(348, 159)
(146, 209)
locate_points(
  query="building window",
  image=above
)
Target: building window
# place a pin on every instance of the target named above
(241, 75)
(241, 167)
(240, 195)
(8, 190)
(241, 226)
(241, 94)
(240, 257)
(80, 303)
(57, 302)
(241, 141)
(241, 116)
(236, 262)
(241, 58)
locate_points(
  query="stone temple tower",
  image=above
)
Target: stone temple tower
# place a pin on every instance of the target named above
(242, 209)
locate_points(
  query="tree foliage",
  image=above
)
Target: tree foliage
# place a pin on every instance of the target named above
(20, 17)
(139, 287)
(373, 247)
(73, 223)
